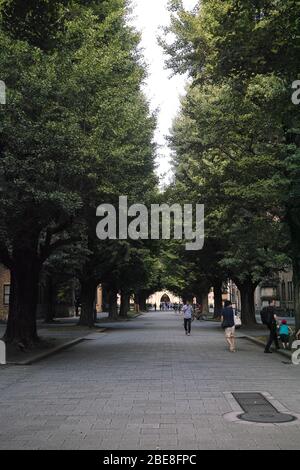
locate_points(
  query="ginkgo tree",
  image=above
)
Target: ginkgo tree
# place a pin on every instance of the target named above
(76, 132)
(236, 140)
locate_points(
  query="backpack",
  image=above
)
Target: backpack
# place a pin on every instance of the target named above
(267, 316)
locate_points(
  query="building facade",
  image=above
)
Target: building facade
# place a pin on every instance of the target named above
(285, 292)
(280, 289)
(4, 292)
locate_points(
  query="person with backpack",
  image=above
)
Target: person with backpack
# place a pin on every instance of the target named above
(228, 324)
(269, 319)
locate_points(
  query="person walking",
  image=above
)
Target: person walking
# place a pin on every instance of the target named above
(270, 320)
(228, 324)
(77, 307)
(187, 315)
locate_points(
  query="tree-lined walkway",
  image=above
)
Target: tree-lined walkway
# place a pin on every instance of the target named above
(144, 384)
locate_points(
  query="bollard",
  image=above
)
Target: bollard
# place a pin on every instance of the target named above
(2, 353)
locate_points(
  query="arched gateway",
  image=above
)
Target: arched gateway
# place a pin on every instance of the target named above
(164, 296)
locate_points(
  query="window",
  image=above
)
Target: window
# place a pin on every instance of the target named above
(6, 294)
(283, 291)
(290, 292)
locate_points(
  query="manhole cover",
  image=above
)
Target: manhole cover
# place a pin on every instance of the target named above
(259, 410)
(274, 418)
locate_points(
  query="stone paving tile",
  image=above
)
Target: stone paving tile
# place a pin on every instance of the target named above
(145, 385)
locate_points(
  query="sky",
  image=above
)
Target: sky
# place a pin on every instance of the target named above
(163, 91)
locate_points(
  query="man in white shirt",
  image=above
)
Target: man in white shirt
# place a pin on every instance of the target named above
(187, 315)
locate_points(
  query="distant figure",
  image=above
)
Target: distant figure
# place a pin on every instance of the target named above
(77, 307)
(229, 325)
(155, 306)
(284, 334)
(269, 319)
(198, 311)
(187, 315)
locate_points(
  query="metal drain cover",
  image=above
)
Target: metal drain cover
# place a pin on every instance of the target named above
(259, 410)
(274, 418)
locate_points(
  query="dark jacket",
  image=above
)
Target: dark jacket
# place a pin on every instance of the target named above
(268, 316)
(228, 317)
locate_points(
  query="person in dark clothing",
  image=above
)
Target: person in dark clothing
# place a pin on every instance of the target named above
(77, 307)
(228, 324)
(187, 314)
(272, 326)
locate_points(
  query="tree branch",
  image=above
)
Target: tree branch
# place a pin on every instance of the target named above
(47, 251)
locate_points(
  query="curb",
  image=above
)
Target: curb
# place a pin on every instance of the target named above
(51, 352)
(286, 354)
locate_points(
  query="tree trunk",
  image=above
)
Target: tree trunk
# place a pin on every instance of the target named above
(142, 302)
(125, 298)
(113, 304)
(204, 302)
(218, 300)
(88, 295)
(136, 303)
(49, 300)
(21, 326)
(247, 290)
(105, 298)
(297, 298)
(294, 225)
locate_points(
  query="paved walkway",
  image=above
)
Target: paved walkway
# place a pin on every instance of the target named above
(145, 385)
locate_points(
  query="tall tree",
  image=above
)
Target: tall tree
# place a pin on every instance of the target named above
(62, 146)
(243, 59)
